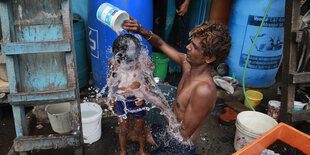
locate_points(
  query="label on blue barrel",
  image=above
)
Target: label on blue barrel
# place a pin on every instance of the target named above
(93, 42)
(105, 13)
(260, 62)
(268, 48)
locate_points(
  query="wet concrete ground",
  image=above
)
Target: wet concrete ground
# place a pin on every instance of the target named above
(215, 138)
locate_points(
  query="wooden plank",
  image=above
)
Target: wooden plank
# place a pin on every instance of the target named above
(70, 57)
(289, 57)
(66, 19)
(71, 70)
(299, 115)
(54, 141)
(7, 25)
(47, 73)
(8, 33)
(298, 78)
(46, 96)
(46, 12)
(20, 121)
(12, 76)
(35, 33)
(35, 47)
(75, 105)
(41, 24)
(237, 106)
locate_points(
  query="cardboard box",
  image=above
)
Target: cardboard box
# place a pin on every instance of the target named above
(3, 72)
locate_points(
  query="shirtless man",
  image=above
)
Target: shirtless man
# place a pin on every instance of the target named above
(196, 93)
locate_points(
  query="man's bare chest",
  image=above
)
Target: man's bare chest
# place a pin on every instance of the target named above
(184, 94)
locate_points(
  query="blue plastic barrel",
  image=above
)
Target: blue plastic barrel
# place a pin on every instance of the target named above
(101, 37)
(80, 50)
(266, 56)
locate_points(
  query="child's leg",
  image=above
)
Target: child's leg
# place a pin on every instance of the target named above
(123, 131)
(140, 132)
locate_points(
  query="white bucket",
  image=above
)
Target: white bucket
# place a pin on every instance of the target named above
(250, 125)
(60, 117)
(91, 120)
(274, 109)
(112, 16)
(299, 105)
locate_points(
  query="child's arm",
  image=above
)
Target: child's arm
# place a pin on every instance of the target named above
(148, 77)
(113, 67)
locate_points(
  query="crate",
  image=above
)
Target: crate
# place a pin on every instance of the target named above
(283, 132)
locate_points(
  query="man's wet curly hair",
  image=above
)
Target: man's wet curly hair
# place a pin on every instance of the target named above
(216, 40)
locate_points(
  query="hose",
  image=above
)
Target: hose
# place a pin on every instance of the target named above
(246, 62)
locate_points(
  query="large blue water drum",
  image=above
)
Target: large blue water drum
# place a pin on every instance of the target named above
(80, 50)
(101, 37)
(266, 56)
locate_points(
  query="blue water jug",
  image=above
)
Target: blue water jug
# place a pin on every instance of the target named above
(266, 56)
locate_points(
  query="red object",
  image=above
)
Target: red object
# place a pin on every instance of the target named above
(229, 116)
(283, 132)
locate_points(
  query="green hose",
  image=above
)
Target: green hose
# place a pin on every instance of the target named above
(246, 62)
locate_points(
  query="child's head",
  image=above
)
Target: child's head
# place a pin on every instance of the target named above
(126, 48)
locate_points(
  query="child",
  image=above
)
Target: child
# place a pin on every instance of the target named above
(130, 72)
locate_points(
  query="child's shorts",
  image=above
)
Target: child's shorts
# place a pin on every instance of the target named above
(131, 106)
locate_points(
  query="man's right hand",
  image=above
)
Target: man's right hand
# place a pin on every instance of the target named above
(132, 25)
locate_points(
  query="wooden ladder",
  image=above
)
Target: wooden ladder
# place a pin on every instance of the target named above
(290, 78)
(39, 48)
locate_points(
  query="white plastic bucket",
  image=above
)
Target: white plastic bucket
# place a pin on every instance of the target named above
(299, 105)
(112, 16)
(60, 117)
(250, 125)
(91, 121)
(274, 109)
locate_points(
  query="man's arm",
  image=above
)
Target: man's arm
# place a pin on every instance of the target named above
(133, 26)
(201, 105)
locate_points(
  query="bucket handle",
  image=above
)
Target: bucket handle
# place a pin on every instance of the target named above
(97, 126)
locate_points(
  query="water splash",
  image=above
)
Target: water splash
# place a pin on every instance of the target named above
(123, 74)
